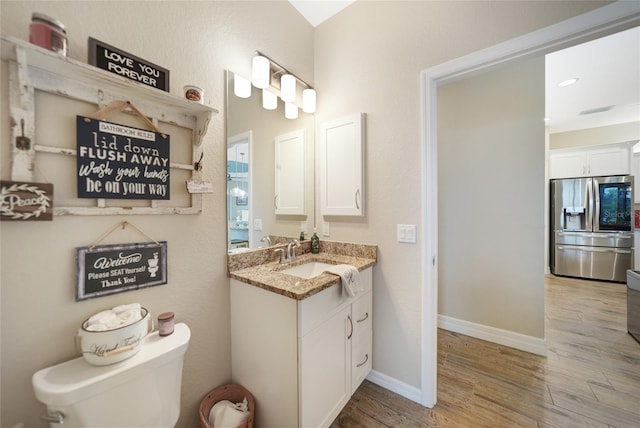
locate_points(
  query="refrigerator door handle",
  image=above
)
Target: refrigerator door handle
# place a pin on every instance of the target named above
(624, 235)
(596, 199)
(594, 249)
(590, 204)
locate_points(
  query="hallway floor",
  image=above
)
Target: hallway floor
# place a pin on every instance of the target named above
(590, 378)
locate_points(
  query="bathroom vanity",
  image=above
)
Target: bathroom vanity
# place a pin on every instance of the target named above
(301, 346)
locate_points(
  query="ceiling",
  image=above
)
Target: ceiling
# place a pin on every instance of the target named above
(608, 88)
(608, 70)
(318, 11)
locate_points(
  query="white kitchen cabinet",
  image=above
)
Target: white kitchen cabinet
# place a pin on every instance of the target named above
(342, 166)
(589, 162)
(635, 171)
(301, 360)
(289, 196)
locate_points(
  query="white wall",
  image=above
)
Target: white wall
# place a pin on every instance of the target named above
(619, 133)
(368, 59)
(491, 198)
(196, 41)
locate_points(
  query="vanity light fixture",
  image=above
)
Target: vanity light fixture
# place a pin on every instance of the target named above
(271, 74)
(241, 86)
(260, 71)
(290, 111)
(269, 100)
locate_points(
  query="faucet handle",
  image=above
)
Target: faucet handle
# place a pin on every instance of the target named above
(292, 248)
(282, 254)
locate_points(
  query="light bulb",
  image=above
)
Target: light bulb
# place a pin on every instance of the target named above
(309, 100)
(290, 111)
(241, 86)
(288, 88)
(269, 100)
(260, 72)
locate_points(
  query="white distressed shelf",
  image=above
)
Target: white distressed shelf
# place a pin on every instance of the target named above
(33, 68)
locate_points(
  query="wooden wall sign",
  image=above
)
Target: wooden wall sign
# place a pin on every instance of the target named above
(110, 269)
(120, 162)
(26, 201)
(130, 66)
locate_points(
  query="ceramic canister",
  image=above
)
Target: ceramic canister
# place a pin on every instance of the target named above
(165, 323)
(48, 33)
(194, 93)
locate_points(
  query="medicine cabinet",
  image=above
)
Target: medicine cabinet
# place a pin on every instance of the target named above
(342, 166)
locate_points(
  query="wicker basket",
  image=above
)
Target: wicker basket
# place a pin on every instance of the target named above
(232, 392)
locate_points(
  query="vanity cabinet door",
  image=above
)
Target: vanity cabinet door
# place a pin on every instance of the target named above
(289, 198)
(362, 340)
(325, 369)
(342, 166)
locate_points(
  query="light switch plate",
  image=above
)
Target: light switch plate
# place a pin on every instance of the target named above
(326, 230)
(257, 224)
(407, 233)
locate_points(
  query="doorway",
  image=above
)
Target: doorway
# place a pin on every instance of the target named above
(605, 20)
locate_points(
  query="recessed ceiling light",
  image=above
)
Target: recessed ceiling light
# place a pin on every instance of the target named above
(568, 82)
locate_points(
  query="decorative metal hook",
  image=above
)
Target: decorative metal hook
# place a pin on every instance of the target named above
(197, 166)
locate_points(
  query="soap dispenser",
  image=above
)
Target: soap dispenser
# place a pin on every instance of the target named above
(315, 242)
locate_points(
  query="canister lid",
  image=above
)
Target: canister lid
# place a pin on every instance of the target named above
(35, 16)
(165, 316)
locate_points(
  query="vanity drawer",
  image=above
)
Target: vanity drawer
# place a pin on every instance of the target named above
(321, 306)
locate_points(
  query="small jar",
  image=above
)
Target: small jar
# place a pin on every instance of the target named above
(194, 93)
(165, 323)
(48, 33)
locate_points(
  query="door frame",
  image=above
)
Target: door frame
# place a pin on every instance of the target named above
(606, 20)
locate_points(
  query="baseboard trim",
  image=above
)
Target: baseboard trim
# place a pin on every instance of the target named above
(394, 385)
(519, 341)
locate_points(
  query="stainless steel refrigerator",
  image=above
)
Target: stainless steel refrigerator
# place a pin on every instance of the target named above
(592, 227)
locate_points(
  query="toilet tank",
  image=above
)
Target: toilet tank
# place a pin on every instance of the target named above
(142, 391)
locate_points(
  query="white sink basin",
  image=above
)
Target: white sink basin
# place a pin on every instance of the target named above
(307, 270)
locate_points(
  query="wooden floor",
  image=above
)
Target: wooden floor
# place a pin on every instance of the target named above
(590, 378)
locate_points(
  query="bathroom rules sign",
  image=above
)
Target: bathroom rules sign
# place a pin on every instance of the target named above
(110, 269)
(120, 162)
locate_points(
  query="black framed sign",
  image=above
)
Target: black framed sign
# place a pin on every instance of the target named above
(124, 64)
(120, 162)
(109, 269)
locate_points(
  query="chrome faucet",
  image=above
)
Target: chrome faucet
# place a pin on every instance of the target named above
(290, 254)
(266, 239)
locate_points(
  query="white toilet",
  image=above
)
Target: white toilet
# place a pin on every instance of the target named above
(142, 391)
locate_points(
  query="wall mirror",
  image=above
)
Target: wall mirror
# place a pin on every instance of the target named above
(270, 172)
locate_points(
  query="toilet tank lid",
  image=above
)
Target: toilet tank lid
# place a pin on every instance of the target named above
(75, 380)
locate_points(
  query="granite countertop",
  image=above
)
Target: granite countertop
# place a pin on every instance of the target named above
(268, 276)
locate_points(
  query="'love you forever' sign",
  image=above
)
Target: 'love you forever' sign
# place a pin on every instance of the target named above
(120, 162)
(130, 66)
